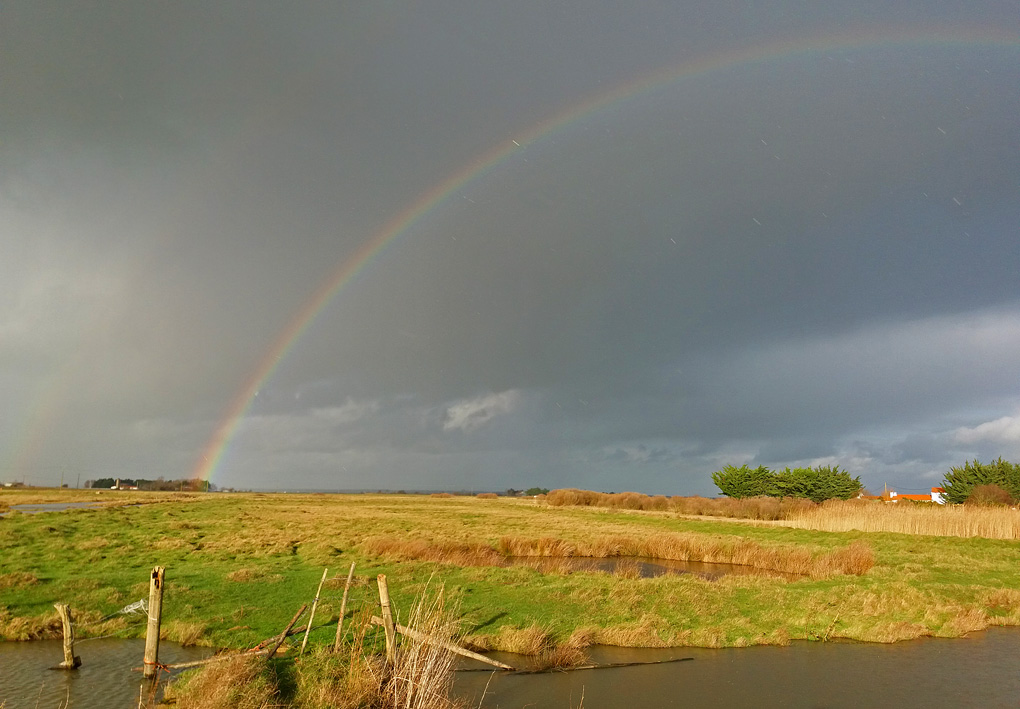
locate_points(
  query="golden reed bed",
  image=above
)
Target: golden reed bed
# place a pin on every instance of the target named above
(908, 518)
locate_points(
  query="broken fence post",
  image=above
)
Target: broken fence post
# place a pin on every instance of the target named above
(150, 664)
(70, 661)
(387, 617)
(343, 609)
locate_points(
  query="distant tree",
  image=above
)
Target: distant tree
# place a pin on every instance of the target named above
(532, 491)
(961, 480)
(744, 481)
(820, 483)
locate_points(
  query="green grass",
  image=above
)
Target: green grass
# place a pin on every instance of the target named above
(99, 561)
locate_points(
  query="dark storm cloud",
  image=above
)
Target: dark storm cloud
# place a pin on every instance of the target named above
(806, 258)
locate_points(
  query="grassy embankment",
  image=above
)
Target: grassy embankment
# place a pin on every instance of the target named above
(238, 566)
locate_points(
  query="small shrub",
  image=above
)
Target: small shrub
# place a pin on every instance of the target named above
(989, 495)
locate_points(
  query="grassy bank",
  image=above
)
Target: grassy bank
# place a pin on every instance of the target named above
(238, 566)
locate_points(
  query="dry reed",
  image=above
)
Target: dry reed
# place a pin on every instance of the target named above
(422, 675)
(761, 508)
(856, 559)
(929, 519)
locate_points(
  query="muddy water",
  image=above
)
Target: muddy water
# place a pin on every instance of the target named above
(640, 567)
(104, 681)
(982, 670)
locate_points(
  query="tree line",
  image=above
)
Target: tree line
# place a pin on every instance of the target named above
(974, 482)
(159, 484)
(823, 482)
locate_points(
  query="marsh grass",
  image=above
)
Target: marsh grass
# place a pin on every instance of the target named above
(233, 546)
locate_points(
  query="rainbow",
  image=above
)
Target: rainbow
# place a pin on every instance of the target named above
(402, 223)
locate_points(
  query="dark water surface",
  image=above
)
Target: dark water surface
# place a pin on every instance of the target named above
(982, 670)
(105, 679)
(641, 567)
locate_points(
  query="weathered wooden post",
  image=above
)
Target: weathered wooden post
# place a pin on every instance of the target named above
(150, 663)
(70, 661)
(387, 616)
(343, 610)
(311, 616)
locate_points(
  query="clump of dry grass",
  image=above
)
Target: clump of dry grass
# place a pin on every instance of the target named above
(487, 496)
(249, 575)
(935, 520)
(422, 675)
(185, 632)
(441, 495)
(460, 553)
(242, 682)
(17, 579)
(561, 657)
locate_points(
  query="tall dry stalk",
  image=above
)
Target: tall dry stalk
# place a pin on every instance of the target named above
(422, 675)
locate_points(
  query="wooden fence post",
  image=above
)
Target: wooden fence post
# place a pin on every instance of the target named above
(70, 661)
(311, 616)
(150, 663)
(343, 610)
(387, 616)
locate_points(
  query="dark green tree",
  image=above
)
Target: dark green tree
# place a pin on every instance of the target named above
(961, 480)
(820, 483)
(744, 481)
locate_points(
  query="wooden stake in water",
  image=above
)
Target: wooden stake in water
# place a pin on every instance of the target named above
(343, 610)
(150, 665)
(387, 617)
(311, 616)
(70, 661)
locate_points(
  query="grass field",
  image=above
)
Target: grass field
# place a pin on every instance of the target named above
(239, 566)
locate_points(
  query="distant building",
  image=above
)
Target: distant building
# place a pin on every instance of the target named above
(938, 495)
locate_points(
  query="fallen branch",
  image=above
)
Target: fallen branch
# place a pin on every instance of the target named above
(578, 667)
(283, 635)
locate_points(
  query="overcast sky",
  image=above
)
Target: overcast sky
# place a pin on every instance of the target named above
(779, 233)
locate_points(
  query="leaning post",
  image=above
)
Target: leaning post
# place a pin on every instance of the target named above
(150, 663)
(70, 661)
(387, 617)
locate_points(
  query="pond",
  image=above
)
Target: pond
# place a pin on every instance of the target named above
(31, 509)
(641, 567)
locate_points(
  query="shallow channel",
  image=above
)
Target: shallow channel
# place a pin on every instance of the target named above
(982, 670)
